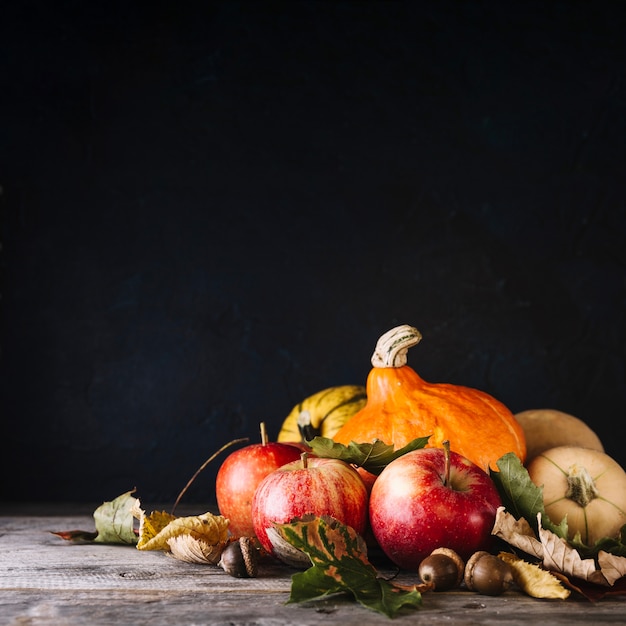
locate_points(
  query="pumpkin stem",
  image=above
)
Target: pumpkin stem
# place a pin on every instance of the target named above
(580, 486)
(263, 433)
(392, 347)
(446, 455)
(307, 432)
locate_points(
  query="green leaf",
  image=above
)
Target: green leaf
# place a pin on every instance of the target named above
(520, 496)
(373, 457)
(613, 545)
(341, 566)
(115, 521)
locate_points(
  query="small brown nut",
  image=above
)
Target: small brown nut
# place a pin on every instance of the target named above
(460, 564)
(442, 569)
(240, 559)
(487, 574)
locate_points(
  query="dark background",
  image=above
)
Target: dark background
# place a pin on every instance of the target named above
(212, 211)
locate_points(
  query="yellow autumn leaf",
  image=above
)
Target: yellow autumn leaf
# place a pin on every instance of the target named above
(151, 525)
(212, 529)
(533, 580)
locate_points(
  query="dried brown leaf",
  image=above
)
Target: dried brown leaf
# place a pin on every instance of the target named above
(193, 550)
(556, 554)
(76, 535)
(592, 592)
(559, 556)
(613, 567)
(517, 533)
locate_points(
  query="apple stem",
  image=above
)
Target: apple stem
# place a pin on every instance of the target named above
(263, 433)
(446, 454)
(182, 493)
(304, 458)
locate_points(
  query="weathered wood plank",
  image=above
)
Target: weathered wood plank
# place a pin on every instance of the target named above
(47, 581)
(171, 607)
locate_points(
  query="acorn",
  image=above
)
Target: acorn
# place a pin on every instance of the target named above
(442, 569)
(487, 574)
(240, 558)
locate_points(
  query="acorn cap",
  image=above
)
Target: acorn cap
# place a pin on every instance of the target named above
(240, 559)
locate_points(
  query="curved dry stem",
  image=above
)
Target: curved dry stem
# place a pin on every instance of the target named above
(224, 447)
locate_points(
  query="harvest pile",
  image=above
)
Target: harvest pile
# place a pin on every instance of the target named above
(439, 480)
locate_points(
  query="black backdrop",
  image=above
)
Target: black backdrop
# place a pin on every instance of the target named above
(211, 211)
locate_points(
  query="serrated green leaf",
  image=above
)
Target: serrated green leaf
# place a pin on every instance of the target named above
(373, 457)
(613, 546)
(341, 566)
(115, 521)
(520, 496)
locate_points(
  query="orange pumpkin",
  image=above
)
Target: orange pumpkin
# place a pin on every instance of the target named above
(401, 406)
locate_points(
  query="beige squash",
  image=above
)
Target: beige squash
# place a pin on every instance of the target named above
(587, 486)
(549, 428)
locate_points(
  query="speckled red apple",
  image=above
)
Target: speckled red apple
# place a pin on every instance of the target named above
(240, 474)
(417, 504)
(310, 486)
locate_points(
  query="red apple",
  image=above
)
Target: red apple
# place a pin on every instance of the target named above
(240, 474)
(432, 498)
(367, 477)
(310, 486)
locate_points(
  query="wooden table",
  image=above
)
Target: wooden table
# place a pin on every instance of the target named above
(48, 581)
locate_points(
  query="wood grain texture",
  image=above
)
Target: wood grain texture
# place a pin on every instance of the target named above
(45, 581)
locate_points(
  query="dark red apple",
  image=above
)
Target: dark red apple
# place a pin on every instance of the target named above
(240, 474)
(310, 486)
(420, 502)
